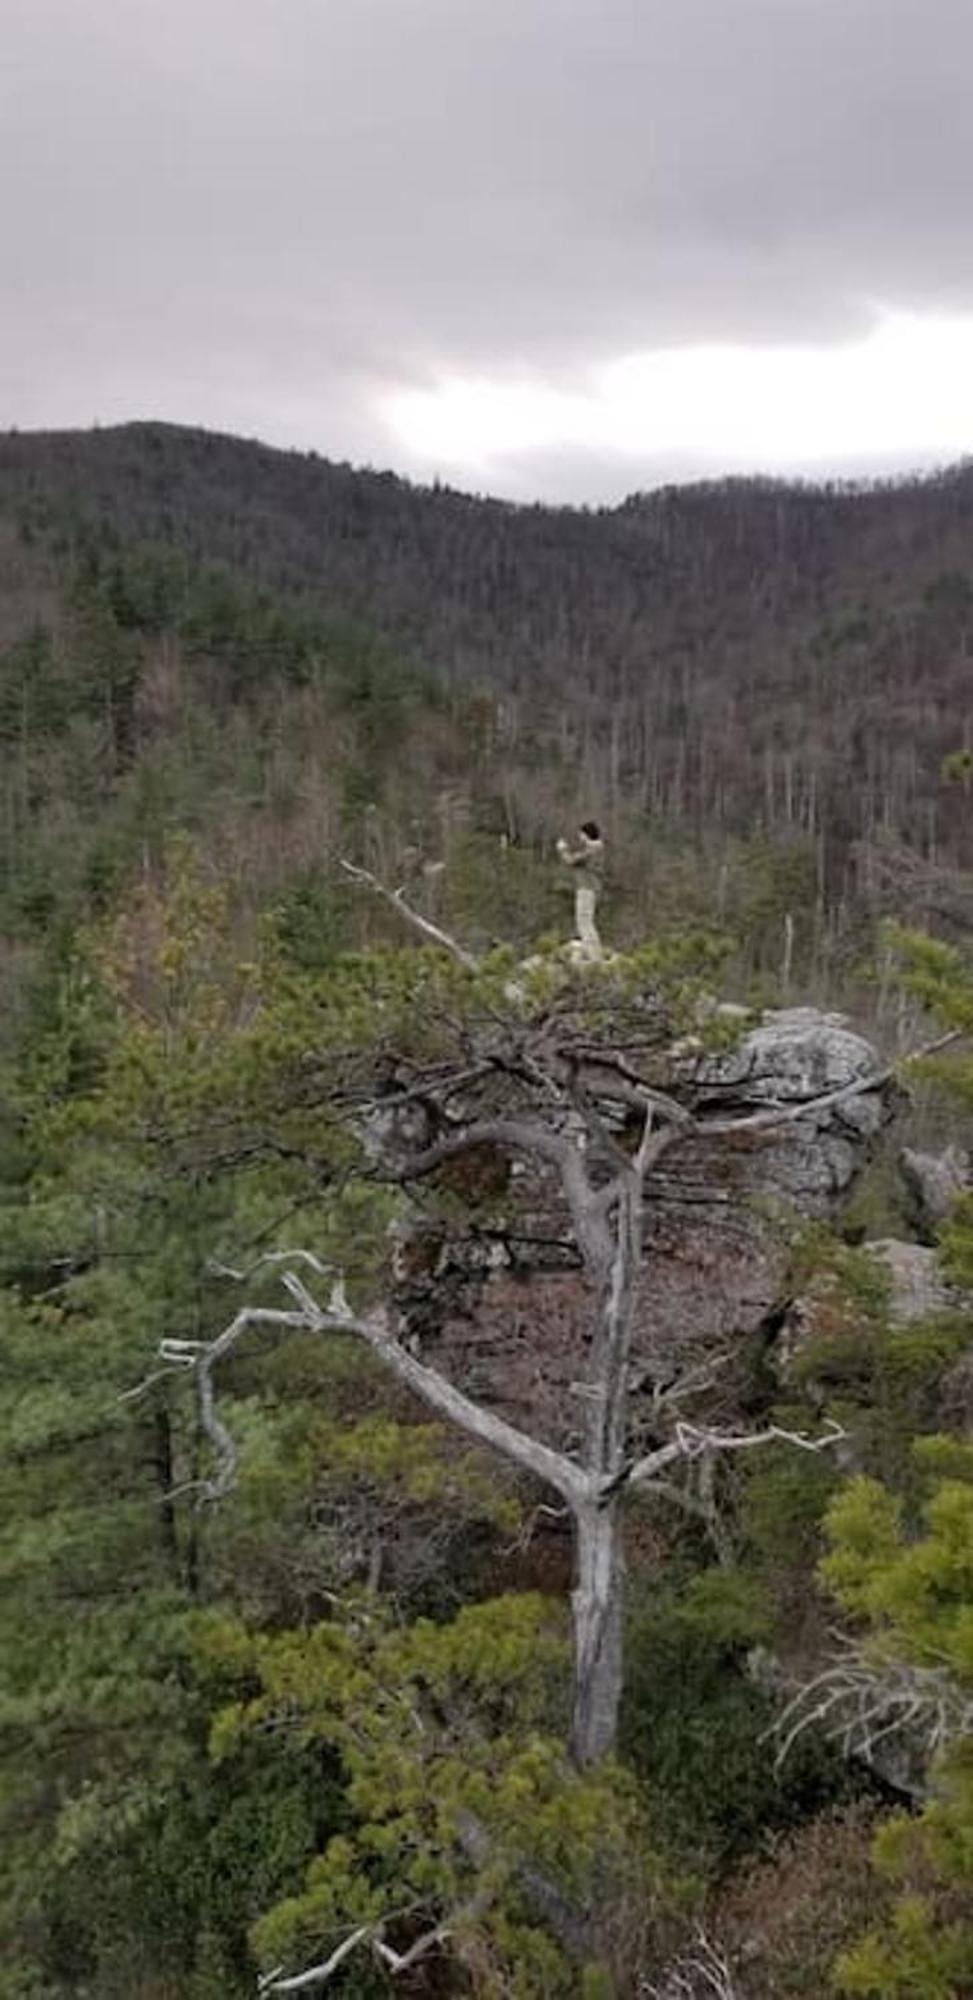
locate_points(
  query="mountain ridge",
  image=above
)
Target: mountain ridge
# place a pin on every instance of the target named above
(863, 486)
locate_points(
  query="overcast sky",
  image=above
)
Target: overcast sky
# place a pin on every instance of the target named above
(551, 248)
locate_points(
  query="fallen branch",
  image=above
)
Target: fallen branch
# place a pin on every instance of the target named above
(859, 1702)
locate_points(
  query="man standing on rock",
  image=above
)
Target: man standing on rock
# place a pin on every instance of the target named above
(588, 861)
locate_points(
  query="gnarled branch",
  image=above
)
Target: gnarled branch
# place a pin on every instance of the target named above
(530, 1136)
(484, 1426)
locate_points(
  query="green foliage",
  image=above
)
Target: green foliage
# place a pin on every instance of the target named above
(167, 690)
(782, 1503)
(956, 1237)
(695, 1726)
(497, 889)
(194, 1027)
(169, 1873)
(918, 1958)
(878, 1377)
(909, 1585)
(915, 1597)
(458, 1793)
(940, 975)
(958, 768)
(118, 1850)
(174, 1101)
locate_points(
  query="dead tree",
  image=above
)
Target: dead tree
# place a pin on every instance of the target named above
(542, 1088)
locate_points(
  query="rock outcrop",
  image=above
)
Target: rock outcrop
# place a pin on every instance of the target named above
(506, 1312)
(797, 1057)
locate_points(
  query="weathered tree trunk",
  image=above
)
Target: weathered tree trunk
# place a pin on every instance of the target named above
(598, 1594)
(596, 1603)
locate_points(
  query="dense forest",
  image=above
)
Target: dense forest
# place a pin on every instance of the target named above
(409, 1585)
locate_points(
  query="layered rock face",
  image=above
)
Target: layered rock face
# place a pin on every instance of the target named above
(720, 1218)
(505, 1309)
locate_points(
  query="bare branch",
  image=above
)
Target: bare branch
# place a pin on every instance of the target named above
(440, 1083)
(943, 1041)
(666, 1489)
(643, 1154)
(316, 1975)
(790, 1114)
(528, 1453)
(525, 1534)
(396, 901)
(142, 1388)
(202, 1356)
(692, 1382)
(636, 1092)
(372, 1936)
(550, 1467)
(692, 1442)
(654, 1144)
(519, 1135)
(296, 1256)
(400, 1961)
(585, 1115)
(701, 1969)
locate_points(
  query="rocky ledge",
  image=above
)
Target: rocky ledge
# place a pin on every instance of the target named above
(505, 1310)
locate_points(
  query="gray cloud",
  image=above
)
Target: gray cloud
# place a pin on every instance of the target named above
(265, 214)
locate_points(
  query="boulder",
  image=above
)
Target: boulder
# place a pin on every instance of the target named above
(934, 1183)
(795, 1057)
(918, 1288)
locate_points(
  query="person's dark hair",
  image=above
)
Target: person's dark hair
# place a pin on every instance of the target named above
(590, 829)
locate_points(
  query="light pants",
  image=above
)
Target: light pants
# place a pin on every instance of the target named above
(584, 917)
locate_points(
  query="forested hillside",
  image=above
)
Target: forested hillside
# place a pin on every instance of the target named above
(485, 1430)
(717, 656)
